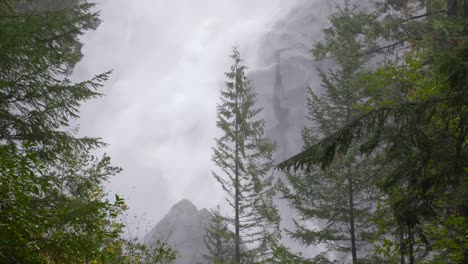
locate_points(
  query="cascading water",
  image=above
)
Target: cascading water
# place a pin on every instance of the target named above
(169, 57)
(284, 71)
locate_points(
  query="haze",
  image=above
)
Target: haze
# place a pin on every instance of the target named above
(159, 112)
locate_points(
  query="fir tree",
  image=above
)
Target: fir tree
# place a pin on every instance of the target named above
(54, 208)
(244, 158)
(416, 114)
(340, 198)
(219, 239)
(37, 100)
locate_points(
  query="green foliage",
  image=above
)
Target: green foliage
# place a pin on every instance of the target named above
(244, 158)
(18, 223)
(339, 200)
(130, 251)
(37, 100)
(282, 254)
(449, 240)
(53, 208)
(43, 219)
(414, 115)
(219, 239)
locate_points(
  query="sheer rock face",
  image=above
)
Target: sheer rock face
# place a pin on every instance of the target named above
(183, 228)
(286, 69)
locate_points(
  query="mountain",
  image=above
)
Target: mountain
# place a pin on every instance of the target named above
(285, 69)
(183, 228)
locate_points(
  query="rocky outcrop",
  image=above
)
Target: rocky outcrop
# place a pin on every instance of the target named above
(286, 69)
(183, 228)
(281, 78)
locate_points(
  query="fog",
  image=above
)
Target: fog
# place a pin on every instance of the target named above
(159, 110)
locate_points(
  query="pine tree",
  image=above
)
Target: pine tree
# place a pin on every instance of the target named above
(54, 208)
(219, 239)
(37, 100)
(340, 198)
(416, 114)
(244, 157)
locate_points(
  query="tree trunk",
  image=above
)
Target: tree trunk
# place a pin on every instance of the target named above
(402, 246)
(461, 169)
(465, 8)
(351, 192)
(411, 245)
(237, 183)
(428, 6)
(452, 8)
(218, 247)
(465, 215)
(237, 221)
(351, 220)
(465, 253)
(460, 164)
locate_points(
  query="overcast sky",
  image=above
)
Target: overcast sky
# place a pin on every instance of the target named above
(159, 112)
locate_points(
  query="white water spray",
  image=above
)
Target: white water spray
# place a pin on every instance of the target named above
(159, 111)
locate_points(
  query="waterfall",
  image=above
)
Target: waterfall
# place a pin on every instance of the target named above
(169, 59)
(159, 112)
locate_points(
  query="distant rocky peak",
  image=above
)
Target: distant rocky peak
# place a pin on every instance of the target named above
(205, 212)
(184, 206)
(183, 228)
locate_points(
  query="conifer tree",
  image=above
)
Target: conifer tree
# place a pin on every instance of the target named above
(244, 157)
(38, 100)
(54, 208)
(340, 198)
(416, 115)
(219, 239)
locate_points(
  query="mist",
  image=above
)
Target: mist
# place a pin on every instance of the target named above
(337, 135)
(158, 114)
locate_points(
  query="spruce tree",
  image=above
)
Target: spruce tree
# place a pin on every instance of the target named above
(219, 239)
(340, 198)
(416, 115)
(54, 208)
(244, 157)
(38, 100)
